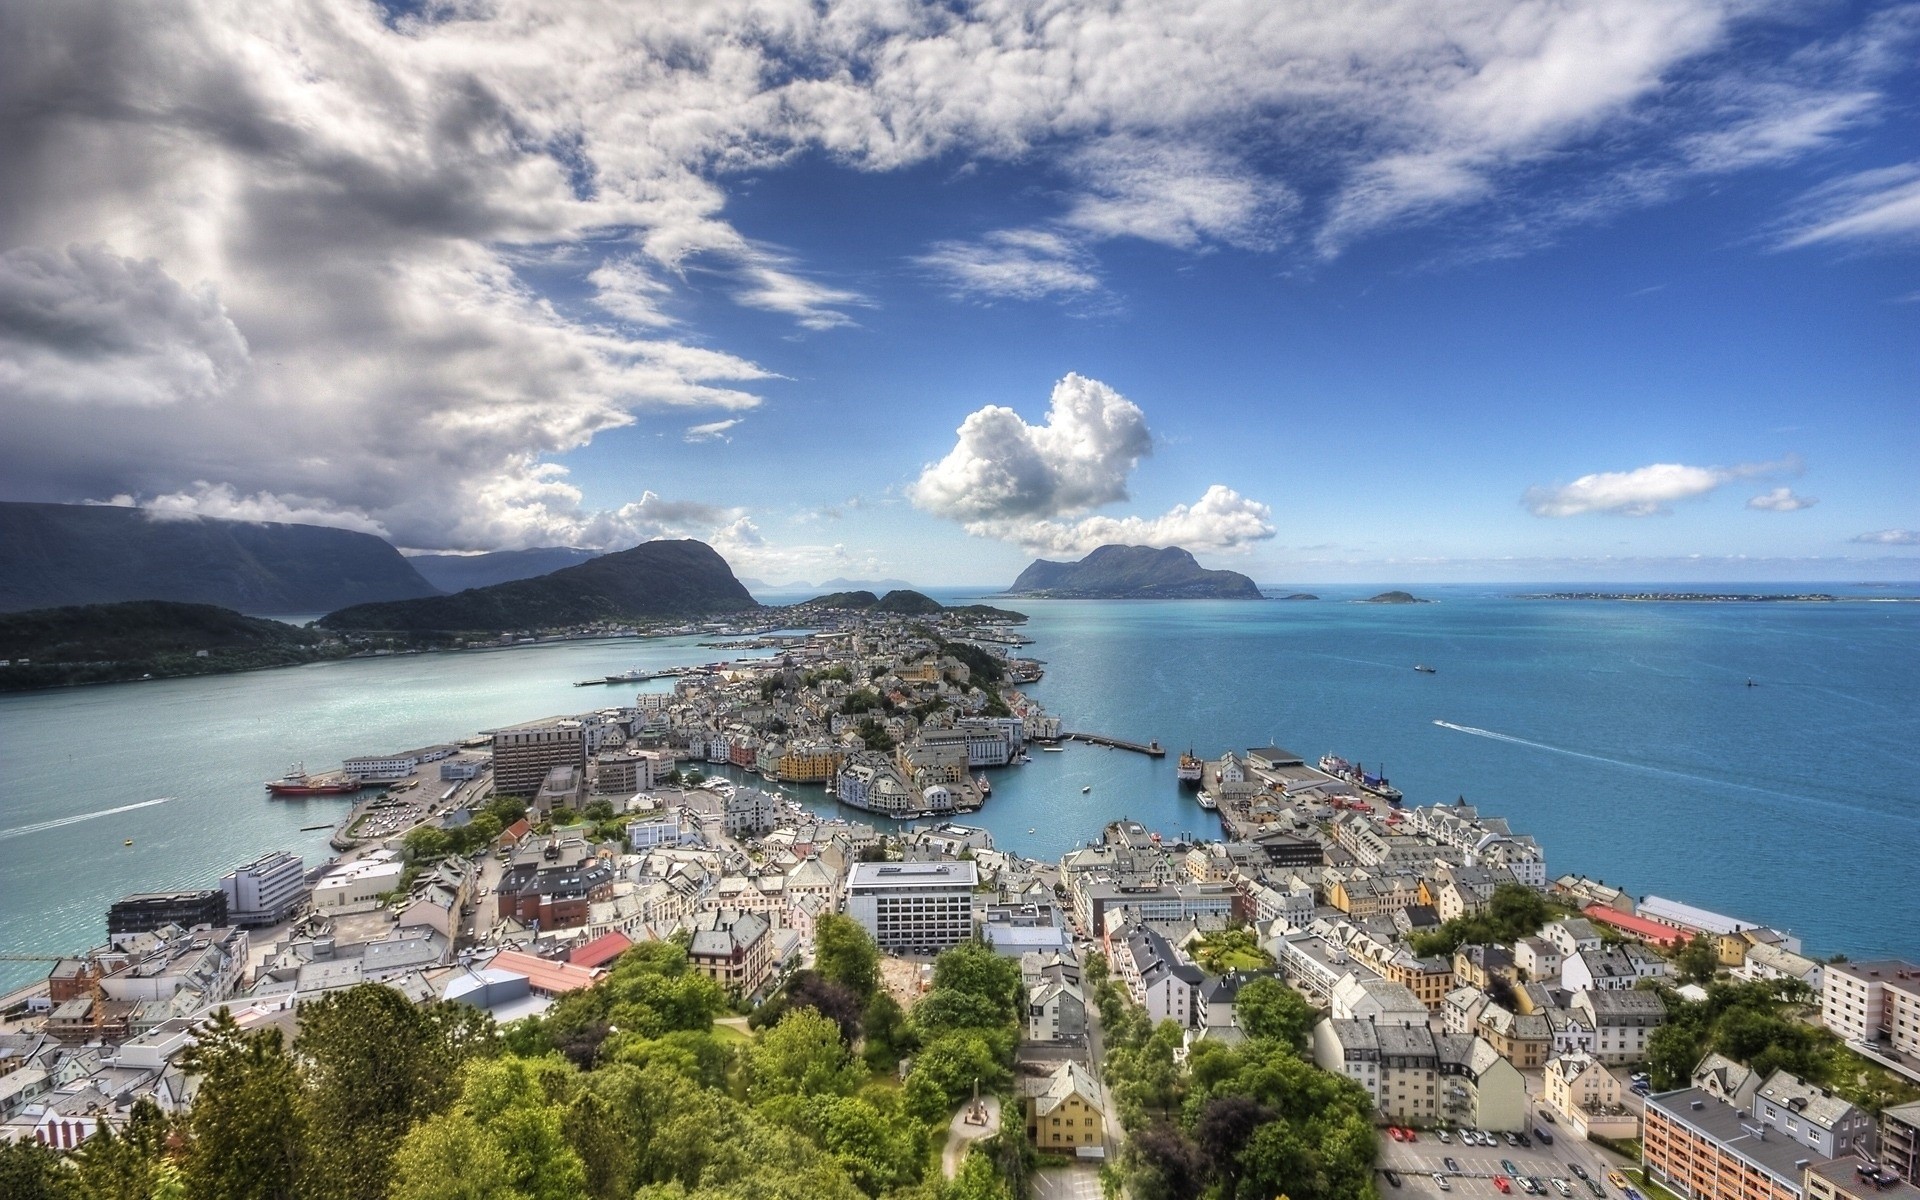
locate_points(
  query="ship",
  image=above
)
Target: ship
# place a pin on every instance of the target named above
(1208, 802)
(1358, 776)
(1424, 669)
(296, 782)
(1190, 770)
(986, 789)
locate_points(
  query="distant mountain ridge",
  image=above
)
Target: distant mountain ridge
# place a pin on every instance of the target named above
(58, 555)
(458, 572)
(652, 580)
(1133, 573)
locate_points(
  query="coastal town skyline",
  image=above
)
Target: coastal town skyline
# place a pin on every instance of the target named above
(1611, 292)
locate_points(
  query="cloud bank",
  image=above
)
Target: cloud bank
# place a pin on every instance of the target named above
(1782, 499)
(1888, 537)
(1648, 491)
(1012, 481)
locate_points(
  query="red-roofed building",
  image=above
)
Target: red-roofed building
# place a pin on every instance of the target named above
(513, 834)
(1635, 927)
(601, 950)
(544, 976)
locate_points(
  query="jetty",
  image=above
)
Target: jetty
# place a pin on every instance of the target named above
(1150, 749)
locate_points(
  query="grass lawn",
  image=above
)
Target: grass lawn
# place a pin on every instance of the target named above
(730, 1033)
(1647, 1186)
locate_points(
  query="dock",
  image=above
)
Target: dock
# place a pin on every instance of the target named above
(1150, 749)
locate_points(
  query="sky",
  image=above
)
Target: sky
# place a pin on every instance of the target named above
(1492, 290)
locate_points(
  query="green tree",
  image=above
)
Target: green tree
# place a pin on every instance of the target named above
(844, 953)
(801, 1056)
(1698, 959)
(1267, 1008)
(888, 1035)
(122, 1166)
(31, 1171)
(977, 1179)
(953, 1062)
(449, 1157)
(244, 1130)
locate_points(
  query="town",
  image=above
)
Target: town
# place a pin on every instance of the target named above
(1502, 1029)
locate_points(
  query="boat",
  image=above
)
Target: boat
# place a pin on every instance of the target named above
(986, 789)
(296, 782)
(1424, 669)
(1190, 770)
(1052, 750)
(1360, 777)
(129, 841)
(1029, 829)
(1086, 789)
(1208, 802)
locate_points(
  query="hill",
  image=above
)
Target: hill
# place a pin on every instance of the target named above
(1395, 598)
(842, 600)
(908, 603)
(652, 580)
(98, 643)
(1133, 573)
(57, 555)
(458, 572)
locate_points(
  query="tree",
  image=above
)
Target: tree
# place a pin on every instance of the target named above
(1267, 1008)
(449, 1157)
(836, 1001)
(844, 954)
(975, 969)
(122, 1166)
(245, 1126)
(1698, 959)
(887, 1032)
(1226, 1124)
(954, 1062)
(1165, 1164)
(801, 1056)
(31, 1171)
(976, 1180)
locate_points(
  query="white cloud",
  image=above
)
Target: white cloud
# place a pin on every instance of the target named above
(1643, 492)
(712, 430)
(86, 328)
(205, 499)
(628, 290)
(1078, 458)
(1026, 484)
(1872, 206)
(1782, 499)
(1022, 264)
(1221, 520)
(1888, 537)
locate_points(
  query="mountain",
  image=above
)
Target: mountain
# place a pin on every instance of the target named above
(842, 600)
(56, 555)
(876, 586)
(458, 572)
(908, 602)
(1133, 573)
(654, 579)
(97, 643)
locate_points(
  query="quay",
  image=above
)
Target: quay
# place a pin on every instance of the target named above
(1150, 749)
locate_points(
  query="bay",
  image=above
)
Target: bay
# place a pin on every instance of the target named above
(1621, 735)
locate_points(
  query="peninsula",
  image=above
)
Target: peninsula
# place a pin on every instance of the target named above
(1132, 573)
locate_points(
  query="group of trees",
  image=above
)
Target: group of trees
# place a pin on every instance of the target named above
(1232, 950)
(1233, 1123)
(1513, 912)
(1759, 1023)
(623, 1091)
(429, 844)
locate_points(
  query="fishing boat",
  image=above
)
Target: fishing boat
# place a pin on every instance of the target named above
(986, 789)
(129, 841)
(1369, 782)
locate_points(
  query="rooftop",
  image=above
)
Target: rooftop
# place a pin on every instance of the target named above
(1735, 1132)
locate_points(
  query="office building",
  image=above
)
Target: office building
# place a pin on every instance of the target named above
(144, 912)
(524, 755)
(916, 908)
(265, 891)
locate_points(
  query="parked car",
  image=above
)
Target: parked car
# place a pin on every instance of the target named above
(1526, 1185)
(1500, 1181)
(1525, 1143)
(1452, 1165)
(1392, 1178)
(1534, 1185)
(1440, 1181)
(1513, 1139)
(1579, 1171)
(1445, 1137)
(1506, 1164)
(1393, 1131)
(1560, 1185)
(1411, 1135)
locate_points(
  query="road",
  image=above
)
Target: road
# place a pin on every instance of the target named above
(961, 1134)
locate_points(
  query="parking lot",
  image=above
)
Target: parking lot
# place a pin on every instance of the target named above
(1417, 1162)
(1080, 1181)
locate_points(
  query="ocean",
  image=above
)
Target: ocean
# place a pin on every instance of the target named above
(1623, 736)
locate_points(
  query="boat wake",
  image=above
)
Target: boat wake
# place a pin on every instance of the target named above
(42, 826)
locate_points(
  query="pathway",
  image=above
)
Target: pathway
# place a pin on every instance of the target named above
(961, 1133)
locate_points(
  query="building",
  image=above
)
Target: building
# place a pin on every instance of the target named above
(1621, 1021)
(917, 908)
(1056, 1012)
(1900, 1141)
(1850, 1179)
(1066, 1111)
(1588, 1098)
(524, 754)
(1380, 1001)
(1160, 977)
(1703, 1148)
(1876, 1001)
(749, 812)
(1611, 967)
(359, 881)
(1824, 1123)
(552, 882)
(1418, 1077)
(733, 949)
(265, 891)
(563, 788)
(144, 912)
(622, 772)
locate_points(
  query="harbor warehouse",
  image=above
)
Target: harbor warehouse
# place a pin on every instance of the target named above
(914, 908)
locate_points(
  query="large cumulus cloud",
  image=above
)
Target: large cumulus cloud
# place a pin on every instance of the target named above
(1017, 482)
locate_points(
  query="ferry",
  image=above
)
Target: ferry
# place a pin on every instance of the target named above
(1190, 770)
(1355, 774)
(1208, 802)
(986, 789)
(296, 782)
(1052, 750)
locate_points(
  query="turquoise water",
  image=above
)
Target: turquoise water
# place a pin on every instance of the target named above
(1621, 735)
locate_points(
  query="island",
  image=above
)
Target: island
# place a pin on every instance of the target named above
(1300, 596)
(1395, 598)
(1133, 573)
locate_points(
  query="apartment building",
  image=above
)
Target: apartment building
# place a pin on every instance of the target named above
(524, 755)
(266, 890)
(918, 908)
(1877, 1001)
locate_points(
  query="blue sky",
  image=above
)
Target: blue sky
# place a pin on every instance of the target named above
(1519, 291)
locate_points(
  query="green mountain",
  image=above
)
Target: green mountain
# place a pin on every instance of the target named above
(53, 555)
(841, 600)
(98, 643)
(908, 603)
(1133, 573)
(652, 580)
(458, 572)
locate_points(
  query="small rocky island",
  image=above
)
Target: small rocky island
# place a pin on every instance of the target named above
(1395, 598)
(1133, 573)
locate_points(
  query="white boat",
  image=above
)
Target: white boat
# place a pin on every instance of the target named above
(1208, 802)
(1052, 750)
(1086, 789)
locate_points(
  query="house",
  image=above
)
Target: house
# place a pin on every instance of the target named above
(1379, 1001)
(1066, 1110)
(1616, 968)
(733, 949)
(1765, 961)
(1481, 966)
(1571, 935)
(1621, 1021)
(1814, 1117)
(1726, 1080)
(1056, 1012)
(1538, 959)
(1588, 1097)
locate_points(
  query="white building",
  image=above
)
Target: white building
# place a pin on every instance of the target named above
(266, 890)
(359, 881)
(381, 769)
(914, 907)
(1872, 1001)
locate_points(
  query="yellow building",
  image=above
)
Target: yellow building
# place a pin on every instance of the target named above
(809, 764)
(1067, 1113)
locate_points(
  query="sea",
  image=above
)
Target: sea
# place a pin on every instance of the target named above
(1624, 736)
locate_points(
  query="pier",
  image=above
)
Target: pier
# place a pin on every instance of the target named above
(1150, 749)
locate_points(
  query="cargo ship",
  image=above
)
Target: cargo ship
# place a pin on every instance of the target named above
(1358, 776)
(1190, 770)
(296, 782)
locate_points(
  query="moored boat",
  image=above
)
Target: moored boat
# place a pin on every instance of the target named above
(1190, 770)
(1357, 775)
(1208, 802)
(296, 782)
